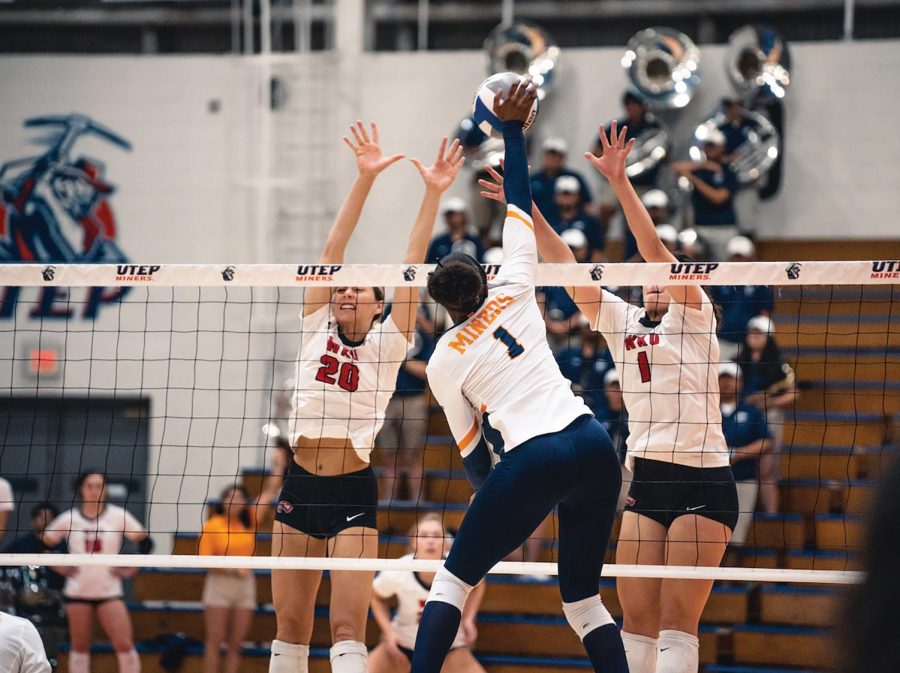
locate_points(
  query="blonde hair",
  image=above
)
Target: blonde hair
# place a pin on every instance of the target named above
(430, 517)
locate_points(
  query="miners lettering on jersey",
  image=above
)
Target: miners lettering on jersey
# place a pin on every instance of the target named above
(478, 323)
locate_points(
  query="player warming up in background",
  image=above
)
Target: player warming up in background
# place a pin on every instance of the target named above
(495, 377)
(430, 542)
(682, 506)
(345, 375)
(96, 527)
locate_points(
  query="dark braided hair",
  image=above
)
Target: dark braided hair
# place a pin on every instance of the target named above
(458, 283)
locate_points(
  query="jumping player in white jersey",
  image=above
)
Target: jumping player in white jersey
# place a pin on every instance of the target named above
(96, 527)
(495, 377)
(682, 506)
(345, 375)
(430, 542)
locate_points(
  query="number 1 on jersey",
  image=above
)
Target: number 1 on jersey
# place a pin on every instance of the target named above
(513, 348)
(644, 366)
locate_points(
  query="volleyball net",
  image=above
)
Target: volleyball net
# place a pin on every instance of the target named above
(176, 382)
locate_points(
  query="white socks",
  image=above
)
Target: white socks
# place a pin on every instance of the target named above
(679, 652)
(586, 615)
(79, 662)
(349, 656)
(129, 662)
(640, 651)
(289, 658)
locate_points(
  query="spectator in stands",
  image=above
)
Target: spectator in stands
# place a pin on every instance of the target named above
(229, 594)
(715, 184)
(693, 245)
(560, 313)
(7, 505)
(585, 364)
(615, 420)
(543, 182)
(639, 122)
(401, 441)
(747, 435)
(428, 541)
(43, 604)
(21, 650)
(770, 385)
(737, 127)
(573, 216)
(97, 527)
(739, 303)
(869, 630)
(656, 201)
(457, 237)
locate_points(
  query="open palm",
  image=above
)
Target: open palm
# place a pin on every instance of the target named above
(369, 159)
(611, 163)
(443, 172)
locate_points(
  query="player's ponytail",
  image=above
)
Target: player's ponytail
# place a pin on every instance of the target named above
(458, 283)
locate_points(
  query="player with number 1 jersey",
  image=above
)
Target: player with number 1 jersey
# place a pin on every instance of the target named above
(503, 393)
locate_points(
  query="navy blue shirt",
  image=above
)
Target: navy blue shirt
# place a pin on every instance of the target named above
(745, 425)
(587, 373)
(708, 213)
(740, 304)
(407, 383)
(543, 192)
(443, 245)
(737, 134)
(29, 544)
(586, 224)
(558, 305)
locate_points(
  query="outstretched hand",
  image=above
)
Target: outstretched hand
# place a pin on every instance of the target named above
(492, 189)
(440, 175)
(611, 163)
(369, 159)
(517, 103)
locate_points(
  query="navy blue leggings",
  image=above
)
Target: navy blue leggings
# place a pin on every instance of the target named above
(575, 469)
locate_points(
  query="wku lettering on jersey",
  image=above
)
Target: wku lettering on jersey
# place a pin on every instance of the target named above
(478, 324)
(633, 341)
(336, 348)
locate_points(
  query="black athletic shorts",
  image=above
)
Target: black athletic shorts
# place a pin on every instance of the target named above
(324, 506)
(664, 491)
(69, 600)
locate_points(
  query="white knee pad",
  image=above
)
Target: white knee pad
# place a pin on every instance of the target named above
(640, 651)
(289, 658)
(448, 588)
(679, 652)
(586, 615)
(349, 656)
(79, 662)
(129, 662)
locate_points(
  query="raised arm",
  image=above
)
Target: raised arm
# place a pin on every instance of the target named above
(369, 162)
(437, 179)
(551, 247)
(612, 165)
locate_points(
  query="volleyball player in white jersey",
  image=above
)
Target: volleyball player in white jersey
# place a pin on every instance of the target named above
(345, 375)
(21, 649)
(97, 527)
(682, 506)
(430, 542)
(495, 377)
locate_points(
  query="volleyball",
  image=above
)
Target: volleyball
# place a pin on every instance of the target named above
(483, 105)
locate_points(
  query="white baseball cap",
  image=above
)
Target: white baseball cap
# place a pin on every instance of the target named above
(555, 145)
(574, 238)
(611, 376)
(454, 205)
(762, 324)
(568, 184)
(655, 198)
(730, 368)
(740, 245)
(493, 255)
(714, 137)
(667, 233)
